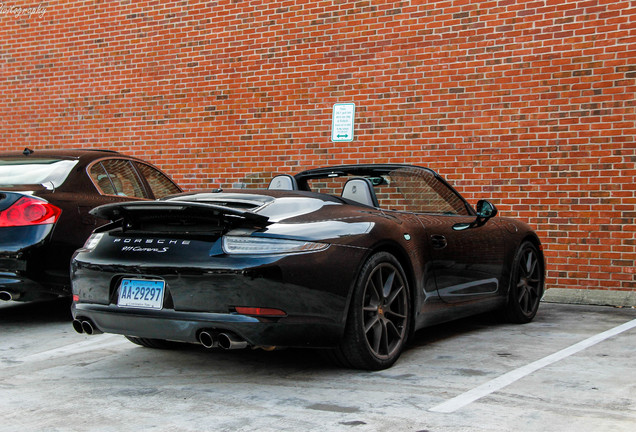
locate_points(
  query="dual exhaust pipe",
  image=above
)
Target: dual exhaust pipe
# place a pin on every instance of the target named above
(227, 341)
(82, 325)
(208, 339)
(7, 296)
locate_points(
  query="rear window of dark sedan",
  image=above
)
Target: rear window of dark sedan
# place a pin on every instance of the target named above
(34, 171)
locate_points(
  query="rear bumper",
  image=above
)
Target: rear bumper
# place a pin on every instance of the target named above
(23, 264)
(16, 287)
(290, 331)
(313, 290)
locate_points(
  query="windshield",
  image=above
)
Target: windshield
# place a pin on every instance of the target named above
(47, 172)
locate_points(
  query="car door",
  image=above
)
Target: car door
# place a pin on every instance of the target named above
(467, 264)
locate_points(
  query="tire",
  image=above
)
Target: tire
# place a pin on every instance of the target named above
(155, 343)
(379, 316)
(526, 284)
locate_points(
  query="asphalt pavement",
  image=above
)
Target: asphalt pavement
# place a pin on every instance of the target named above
(572, 369)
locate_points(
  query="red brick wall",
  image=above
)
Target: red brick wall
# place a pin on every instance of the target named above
(527, 103)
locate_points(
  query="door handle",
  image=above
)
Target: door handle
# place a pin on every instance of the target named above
(438, 241)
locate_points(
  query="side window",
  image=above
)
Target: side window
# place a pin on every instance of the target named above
(422, 192)
(117, 177)
(100, 177)
(159, 183)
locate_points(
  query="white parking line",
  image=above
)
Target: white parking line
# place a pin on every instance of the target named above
(75, 348)
(502, 381)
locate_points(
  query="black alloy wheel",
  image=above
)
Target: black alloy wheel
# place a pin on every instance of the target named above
(379, 316)
(526, 284)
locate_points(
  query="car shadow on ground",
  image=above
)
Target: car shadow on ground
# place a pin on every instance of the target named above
(50, 311)
(293, 359)
(58, 311)
(429, 335)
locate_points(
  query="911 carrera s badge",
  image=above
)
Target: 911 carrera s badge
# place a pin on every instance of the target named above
(144, 249)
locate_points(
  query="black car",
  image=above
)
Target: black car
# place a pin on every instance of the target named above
(45, 198)
(352, 259)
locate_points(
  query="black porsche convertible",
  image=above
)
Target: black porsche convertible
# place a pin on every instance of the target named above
(352, 259)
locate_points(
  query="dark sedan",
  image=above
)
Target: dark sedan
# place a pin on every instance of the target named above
(351, 259)
(45, 198)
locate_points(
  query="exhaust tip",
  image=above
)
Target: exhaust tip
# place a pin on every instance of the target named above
(6, 296)
(90, 328)
(77, 326)
(229, 341)
(207, 340)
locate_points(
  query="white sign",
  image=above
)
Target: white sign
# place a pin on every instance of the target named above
(342, 122)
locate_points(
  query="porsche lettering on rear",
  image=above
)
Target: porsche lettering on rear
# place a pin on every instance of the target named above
(151, 241)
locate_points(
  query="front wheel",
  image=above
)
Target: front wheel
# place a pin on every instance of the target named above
(526, 284)
(379, 316)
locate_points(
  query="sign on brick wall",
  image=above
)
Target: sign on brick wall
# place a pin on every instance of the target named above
(342, 118)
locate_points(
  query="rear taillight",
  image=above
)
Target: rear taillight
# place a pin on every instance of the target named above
(258, 311)
(29, 211)
(92, 242)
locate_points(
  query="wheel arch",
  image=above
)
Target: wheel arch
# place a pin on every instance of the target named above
(527, 237)
(532, 238)
(402, 256)
(512, 311)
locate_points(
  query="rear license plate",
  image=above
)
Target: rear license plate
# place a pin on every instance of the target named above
(141, 293)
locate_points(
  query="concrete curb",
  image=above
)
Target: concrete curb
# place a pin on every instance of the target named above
(591, 297)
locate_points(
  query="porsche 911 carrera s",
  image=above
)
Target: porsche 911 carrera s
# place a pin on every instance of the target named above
(351, 259)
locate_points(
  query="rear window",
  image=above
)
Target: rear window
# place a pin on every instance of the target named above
(47, 172)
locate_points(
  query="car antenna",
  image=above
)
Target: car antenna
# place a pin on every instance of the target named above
(27, 151)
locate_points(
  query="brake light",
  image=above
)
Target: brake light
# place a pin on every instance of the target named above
(29, 211)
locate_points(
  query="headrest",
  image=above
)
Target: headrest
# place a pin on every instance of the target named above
(360, 190)
(283, 182)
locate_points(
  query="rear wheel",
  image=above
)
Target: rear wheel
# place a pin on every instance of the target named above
(526, 284)
(379, 316)
(155, 343)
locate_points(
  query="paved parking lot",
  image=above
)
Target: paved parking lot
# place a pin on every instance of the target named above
(572, 369)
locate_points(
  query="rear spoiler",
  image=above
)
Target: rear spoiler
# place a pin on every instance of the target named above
(135, 210)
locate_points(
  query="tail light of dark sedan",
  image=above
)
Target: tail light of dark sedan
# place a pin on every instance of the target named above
(29, 211)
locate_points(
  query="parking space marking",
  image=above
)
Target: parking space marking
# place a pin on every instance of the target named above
(74, 348)
(502, 381)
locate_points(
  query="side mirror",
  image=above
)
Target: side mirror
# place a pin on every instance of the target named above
(485, 210)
